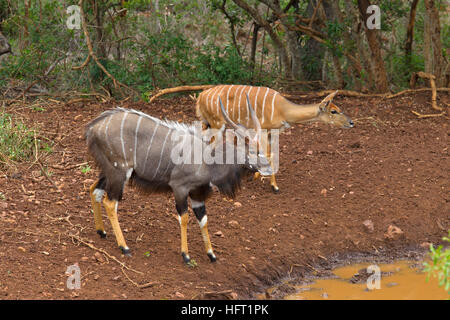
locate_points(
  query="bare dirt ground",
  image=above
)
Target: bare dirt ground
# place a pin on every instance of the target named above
(391, 169)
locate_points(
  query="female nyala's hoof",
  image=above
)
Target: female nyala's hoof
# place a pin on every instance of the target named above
(186, 258)
(212, 257)
(275, 189)
(101, 233)
(126, 251)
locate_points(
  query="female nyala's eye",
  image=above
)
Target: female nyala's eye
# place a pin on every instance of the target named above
(334, 112)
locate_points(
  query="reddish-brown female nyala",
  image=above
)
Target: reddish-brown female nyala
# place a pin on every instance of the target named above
(272, 109)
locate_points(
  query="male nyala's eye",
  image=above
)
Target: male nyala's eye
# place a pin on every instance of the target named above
(334, 112)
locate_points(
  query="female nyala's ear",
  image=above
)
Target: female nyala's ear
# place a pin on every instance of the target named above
(325, 102)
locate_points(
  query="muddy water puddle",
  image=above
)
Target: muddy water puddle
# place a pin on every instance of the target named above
(397, 281)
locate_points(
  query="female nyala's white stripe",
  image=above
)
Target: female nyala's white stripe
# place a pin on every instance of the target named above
(161, 154)
(228, 95)
(135, 138)
(211, 104)
(239, 107)
(264, 106)
(247, 117)
(121, 138)
(207, 97)
(255, 105)
(234, 101)
(218, 104)
(273, 105)
(214, 97)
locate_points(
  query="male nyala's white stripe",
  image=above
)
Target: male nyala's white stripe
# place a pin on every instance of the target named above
(121, 138)
(197, 204)
(161, 154)
(98, 193)
(202, 223)
(150, 146)
(136, 138)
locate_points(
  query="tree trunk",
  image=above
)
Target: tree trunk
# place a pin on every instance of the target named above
(375, 49)
(434, 60)
(354, 66)
(254, 45)
(278, 43)
(410, 32)
(329, 13)
(313, 52)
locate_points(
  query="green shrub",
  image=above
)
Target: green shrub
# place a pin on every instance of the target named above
(16, 140)
(440, 265)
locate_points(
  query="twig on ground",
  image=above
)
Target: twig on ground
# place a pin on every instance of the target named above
(79, 239)
(140, 286)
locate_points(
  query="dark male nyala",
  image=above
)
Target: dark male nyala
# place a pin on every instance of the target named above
(128, 145)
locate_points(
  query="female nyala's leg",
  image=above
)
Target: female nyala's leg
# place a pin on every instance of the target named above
(97, 192)
(200, 212)
(273, 181)
(111, 211)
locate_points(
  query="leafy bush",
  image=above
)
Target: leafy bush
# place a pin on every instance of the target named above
(16, 140)
(440, 266)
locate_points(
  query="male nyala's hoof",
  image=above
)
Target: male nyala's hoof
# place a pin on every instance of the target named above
(186, 258)
(275, 189)
(126, 251)
(101, 233)
(212, 257)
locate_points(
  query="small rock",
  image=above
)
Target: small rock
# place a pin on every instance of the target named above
(425, 245)
(324, 192)
(45, 252)
(368, 224)
(393, 232)
(391, 284)
(76, 118)
(237, 204)
(22, 249)
(219, 234)
(233, 295)
(84, 259)
(99, 257)
(234, 224)
(116, 278)
(179, 295)
(310, 152)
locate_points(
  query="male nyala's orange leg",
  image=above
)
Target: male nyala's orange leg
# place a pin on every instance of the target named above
(184, 219)
(200, 212)
(111, 211)
(96, 198)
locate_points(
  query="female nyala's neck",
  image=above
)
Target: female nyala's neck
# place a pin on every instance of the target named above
(295, 113)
